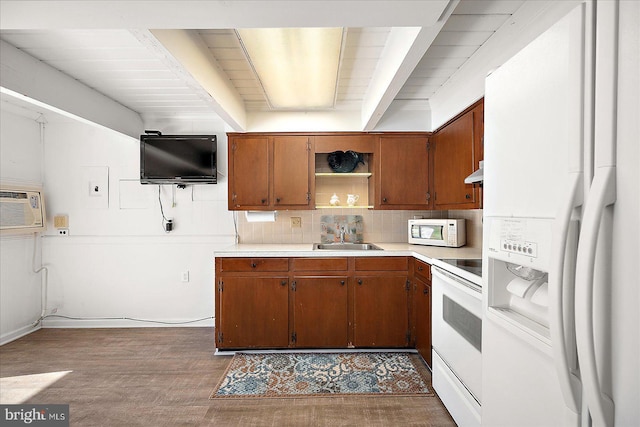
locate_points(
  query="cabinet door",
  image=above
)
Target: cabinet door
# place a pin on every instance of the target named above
(320, 312)
(253, 312)
(422, 313)
(381, 311)
(248, 173)
(458, 149)
(403, 174)
(291, 171)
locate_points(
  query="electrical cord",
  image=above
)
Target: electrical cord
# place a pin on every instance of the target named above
(44, 283)
(165, 222)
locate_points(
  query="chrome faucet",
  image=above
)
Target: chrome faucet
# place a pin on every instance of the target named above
(341, 234)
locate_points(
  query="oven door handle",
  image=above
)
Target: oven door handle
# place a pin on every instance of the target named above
(457, 282)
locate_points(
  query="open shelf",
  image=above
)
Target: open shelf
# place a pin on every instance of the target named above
(329, 183)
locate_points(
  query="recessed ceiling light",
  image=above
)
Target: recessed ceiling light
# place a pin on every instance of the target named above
(297, 67)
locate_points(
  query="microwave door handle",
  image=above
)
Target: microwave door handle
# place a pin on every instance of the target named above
(561, 287)
(601, 195)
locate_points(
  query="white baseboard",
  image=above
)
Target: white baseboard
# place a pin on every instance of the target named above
(18, 333)
(54, 322)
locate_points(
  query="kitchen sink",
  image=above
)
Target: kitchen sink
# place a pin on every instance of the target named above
(346, 247)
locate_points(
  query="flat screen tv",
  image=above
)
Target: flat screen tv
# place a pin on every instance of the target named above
(178, 159)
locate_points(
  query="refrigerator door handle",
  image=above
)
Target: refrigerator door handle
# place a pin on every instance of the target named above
(560, 307)
(601, 195)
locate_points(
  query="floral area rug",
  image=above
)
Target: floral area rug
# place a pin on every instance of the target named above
(321, 374)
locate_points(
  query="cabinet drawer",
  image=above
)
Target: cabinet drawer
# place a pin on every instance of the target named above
(254, 264)
(382, 263)
(319, 264)
(422, 269)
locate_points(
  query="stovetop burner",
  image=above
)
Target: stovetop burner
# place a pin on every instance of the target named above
(473, 266)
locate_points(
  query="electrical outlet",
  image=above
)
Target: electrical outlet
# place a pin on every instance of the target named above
(296, 222)
(185, 276)
(63, 232)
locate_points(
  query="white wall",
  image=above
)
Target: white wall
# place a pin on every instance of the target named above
(117, 262)
(20, 162)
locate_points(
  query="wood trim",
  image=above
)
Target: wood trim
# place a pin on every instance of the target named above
(460, 114)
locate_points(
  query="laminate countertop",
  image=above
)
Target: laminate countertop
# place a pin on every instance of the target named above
(427, 254)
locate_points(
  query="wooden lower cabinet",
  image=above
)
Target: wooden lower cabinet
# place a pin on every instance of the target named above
(253, 312)
(342, 302)
(381, 311)
(422, 310)
(320, 312)
(421, 318)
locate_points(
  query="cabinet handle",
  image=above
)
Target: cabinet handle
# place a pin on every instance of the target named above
(359, 281)
(428, 196)
(277, 199)
(384, 200)
(263, 201)
(425, 291)
(342, 282)
(253, 265)
(467, 196)
(419, 268)
(283, 283)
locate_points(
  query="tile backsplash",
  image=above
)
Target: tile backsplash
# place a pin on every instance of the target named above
(377, 226)
(347, 227)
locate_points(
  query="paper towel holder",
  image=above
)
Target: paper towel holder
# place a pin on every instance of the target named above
(261, 216)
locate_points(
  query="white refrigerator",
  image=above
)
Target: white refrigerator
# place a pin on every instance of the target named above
(561, 285)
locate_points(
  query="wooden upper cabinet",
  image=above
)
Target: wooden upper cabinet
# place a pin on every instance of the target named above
(249, 161)
(457, 152)
(358, 142)
(402, 180)
(268, 172)
(292, 171)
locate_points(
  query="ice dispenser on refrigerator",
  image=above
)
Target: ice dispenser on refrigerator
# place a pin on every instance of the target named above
(517, 295)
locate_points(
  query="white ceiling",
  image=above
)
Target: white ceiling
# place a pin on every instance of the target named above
(183, 59)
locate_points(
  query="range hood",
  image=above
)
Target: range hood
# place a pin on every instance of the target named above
(477, 176)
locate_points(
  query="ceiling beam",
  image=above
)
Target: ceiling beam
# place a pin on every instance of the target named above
(404, 49)
(35, 80)
(185, 53)
(198, 14)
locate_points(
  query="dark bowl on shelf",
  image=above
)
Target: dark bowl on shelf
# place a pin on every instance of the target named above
(344, 161)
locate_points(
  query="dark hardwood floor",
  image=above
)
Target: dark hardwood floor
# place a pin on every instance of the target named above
(164, 377)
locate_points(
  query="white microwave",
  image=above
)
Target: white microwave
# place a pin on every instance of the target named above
(437, 232)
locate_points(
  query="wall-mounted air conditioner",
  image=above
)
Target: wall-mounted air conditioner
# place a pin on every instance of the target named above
(21, 210)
